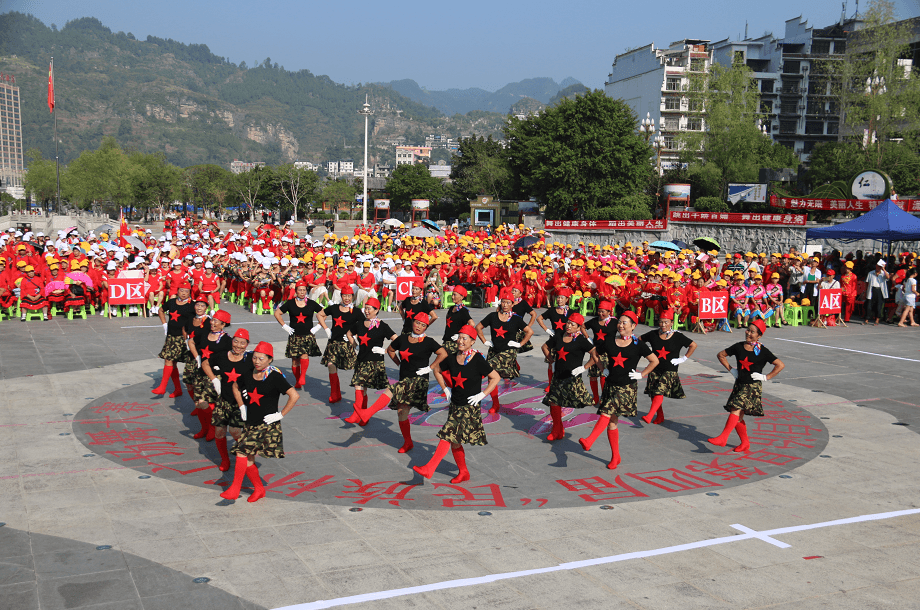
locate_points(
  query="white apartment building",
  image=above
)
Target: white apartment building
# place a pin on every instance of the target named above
(238, 167)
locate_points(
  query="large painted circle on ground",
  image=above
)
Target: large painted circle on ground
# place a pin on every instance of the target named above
(333, 462)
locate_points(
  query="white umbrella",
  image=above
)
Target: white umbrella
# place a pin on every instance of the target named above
(392, 222)
(420, 232)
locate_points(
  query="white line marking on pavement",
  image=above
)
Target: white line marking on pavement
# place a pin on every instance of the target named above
(272, 321)
(848, 350)
(574, 565)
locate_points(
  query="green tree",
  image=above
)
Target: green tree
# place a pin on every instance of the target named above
(410, 182)
(480, 167)
(340, 193)
(157, 183)
(100, 175)
(247, 186)
(41, 177)
(297, 184)
(582, 155)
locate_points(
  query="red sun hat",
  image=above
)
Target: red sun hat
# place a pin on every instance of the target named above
(605, 305)
(241, 333)
(759, 325)
(373, 303)
(222, 316)
(667, 315)
(577, 318)
(469, 331)
(422, 317)
(460, 290)
(631, 315)
(347, 290)
(265, 348)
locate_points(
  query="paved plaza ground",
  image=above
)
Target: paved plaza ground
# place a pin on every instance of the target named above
(108, 503)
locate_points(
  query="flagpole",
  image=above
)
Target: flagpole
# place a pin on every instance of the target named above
(57, 162)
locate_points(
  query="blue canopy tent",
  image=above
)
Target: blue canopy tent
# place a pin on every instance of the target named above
(886, 223)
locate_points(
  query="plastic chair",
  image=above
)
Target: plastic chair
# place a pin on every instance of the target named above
(73, 312)
(650, 317)
(588, 306)
(678, 325)
(447, 299)
(31, 314)
(795, 316)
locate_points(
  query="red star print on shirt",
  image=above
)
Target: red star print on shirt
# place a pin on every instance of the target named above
(206, 353)
(745, 364)
(365, 339)
(340, 321)
(663, 353)
(459, 380)
(561, 354)
(301, 318)
(404, 354)
(601, 335)
(174, 315)
(500, 332)
(447, 379)
(448, 321)
(619, 360)
(560, 324)
(232, 376)
(255, 397)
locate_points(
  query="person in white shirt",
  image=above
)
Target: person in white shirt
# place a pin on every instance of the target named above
(876, 292)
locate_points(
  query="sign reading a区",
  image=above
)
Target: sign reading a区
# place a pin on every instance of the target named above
(829, 301)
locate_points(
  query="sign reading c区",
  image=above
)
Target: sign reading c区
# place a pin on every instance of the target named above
(404, 286)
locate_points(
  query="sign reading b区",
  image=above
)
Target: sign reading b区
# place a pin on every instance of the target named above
(829, 301)
(713, 305)
(126, 291)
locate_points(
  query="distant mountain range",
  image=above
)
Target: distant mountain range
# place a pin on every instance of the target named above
(461, 101)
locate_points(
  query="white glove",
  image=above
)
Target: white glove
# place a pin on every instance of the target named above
(287, 329)
(495, 303)
(165, 328)
(315, 329)
(243, 412)
(454, 337)
(378, 350)
(578, 370)
(488, 344)
(328, 331)
(475, 399)
(734, 373)
(634, 375)
(216, 383)
(678, 361)
(550, 332)
(272, 418)
(198, 361)
(758, 377)
(447, 393)
(513, 344)
(423, 371)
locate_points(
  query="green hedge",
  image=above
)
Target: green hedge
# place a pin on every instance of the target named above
(710, 204)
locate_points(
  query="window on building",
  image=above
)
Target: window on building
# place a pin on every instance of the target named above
(672, 84)
(817, 86)
(670, 124)
(815, 107)
(698, 65)
(840, 47)
(672, 103)
(820, 47)
(739, 57)
(789, 108)
(791, 67)
(814, 127)
(695, 106)
(766, 107)
(787, 126)
(766, 85)
(695, 124)
(670, 143)
(833, 128)
(790, 86)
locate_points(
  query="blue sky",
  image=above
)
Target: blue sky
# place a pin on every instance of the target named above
(475, 43)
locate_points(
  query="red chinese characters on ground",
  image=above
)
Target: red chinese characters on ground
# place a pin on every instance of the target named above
(123, 407)
(490, 497)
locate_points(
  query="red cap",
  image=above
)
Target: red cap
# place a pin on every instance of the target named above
(469, 331)
(577, 318)
(667, 315)
(759, 325)
(460, 290)
(422, 317)
(606, 305)
(265, 348)
(632, 316)
(347, 290)
(373, 303)
(223, 316)
(185, 285)
(301, 285)
(241, 333)
(505, 294)
(831, 273)
(565, 291)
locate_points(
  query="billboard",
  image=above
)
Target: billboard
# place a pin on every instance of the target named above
(747, 192)
(382, 204)
(677, 191)
(420, 204)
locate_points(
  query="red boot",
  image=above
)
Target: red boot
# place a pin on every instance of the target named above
(597, 396)
(729, 426)
(167, 373)
(224, 456)
(379, 404)
(741, 429)
(428, 469)
(656, 404)
(302, 375)
(335, 391)
(209, 411)
(460, 458)
(600, 426)
(204, 418)
(406, 429)
(549, 378)
(660, 419)
(177, 384)
(295, 370)
(233, 492)
(354, 418)
(558, 431)
(258, 490)
(496, 405)
(614, 437)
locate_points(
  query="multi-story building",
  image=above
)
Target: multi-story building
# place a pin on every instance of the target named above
(11, 160)
(408, 155)
(305, 165)
(238, 167)
(653, 82)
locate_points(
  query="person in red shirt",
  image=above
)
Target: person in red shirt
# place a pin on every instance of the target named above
(208, 285)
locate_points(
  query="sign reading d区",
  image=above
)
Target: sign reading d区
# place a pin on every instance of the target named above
(126, 291)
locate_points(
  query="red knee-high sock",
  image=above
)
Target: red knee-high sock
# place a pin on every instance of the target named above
(167, 373)
(729, 426)
(597, 396)
(354, 418)
(404, 427)
(428, 469)
(599, 427)
(204, 418)
(460, 458)
(741, 429)
(614, 437)
(233, 492)
(224, 456)
(558, 432)
(603, 383)
(364, 400)
(335, 390)
(302, 375)
(177, 384)
(258, 492)
(549, 376)
(379, 404)
(495, 404)
(295, 370)
(211, 429)
(656, 404)
(660, 419)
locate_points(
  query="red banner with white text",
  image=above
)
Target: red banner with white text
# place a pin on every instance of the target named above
(126, 291)
(606, 225)
(404, 286)
(829, 301)
(753, 218)
(838, 205)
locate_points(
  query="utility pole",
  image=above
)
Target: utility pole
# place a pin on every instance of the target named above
(366, 111)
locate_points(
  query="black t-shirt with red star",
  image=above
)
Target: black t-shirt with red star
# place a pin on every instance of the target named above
(569, 355)
(262, 397)
(601, 330)
(503, 332)
(411, 310)
(301, 317)
(341, 321)
(177, 316)
(230, 372)
(556, 318)
(465, 379)
(207, 347)
(749, 362)
(522, 308)
(414, 356)
(369, 338)
(666, 349)
(457, 316)
(196, 333)
(622, 360)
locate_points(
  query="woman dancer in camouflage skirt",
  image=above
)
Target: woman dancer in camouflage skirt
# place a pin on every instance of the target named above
(603, 325)
(180, 311)
(203, 347)
(412, 353)
(460, 377)
(223, 369)
(664, 382)
(198, 326)
(457, 317)
(257, 395)
(567, 388)
(370, 372)
(301, 331)
(503, 346)
(747, 393)
(340, 353)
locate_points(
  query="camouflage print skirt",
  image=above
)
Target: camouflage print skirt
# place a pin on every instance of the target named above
(664, 384)
(190, 372)
(569, 392)
(173, 349)
(524, 348)
(298, 346)
(450, 346)
(504, 362)
(204, 390)
(619, 400)
(370, 374)
(412, 391)
(747, 397)
(596, 371)
(340, 354)
(464, 426)
(264, 439)
(226, 414)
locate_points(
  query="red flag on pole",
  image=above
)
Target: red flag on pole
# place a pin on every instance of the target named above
(123, 229)
(51, 86)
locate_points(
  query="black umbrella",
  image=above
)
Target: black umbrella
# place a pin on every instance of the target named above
(526, 242)
(683, 245)
(707, 243)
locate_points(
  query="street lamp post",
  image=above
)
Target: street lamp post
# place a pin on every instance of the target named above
(366, 111)
(647, 126)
